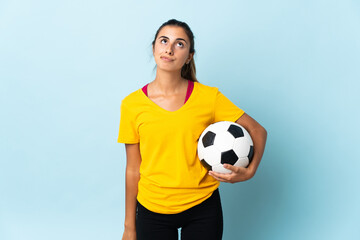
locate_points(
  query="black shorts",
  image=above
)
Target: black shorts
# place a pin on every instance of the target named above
(203, 221)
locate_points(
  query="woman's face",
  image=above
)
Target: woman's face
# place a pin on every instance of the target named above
(171, 48)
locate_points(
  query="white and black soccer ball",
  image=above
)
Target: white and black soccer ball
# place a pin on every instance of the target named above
(225, 142)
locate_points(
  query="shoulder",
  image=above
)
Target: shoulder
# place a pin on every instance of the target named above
(132, 98)
(206, 89)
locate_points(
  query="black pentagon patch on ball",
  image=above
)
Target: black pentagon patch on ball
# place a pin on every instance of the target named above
(251, 153)
(205, 164)
(208, 139)
(229, 157)
(236, 131)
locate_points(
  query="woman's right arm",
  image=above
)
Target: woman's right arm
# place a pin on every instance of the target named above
(132, 176)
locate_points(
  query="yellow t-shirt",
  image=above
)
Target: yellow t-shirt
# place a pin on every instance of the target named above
(172, 178)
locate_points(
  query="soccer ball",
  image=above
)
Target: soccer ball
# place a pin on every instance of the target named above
(225, 142)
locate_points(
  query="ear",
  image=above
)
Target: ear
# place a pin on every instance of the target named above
(191, 55)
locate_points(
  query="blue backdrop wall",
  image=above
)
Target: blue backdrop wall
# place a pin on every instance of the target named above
(66, 65)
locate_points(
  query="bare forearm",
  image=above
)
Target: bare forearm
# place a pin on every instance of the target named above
(132, 179)
(259, 136)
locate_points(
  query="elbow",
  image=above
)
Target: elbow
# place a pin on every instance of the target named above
(264, 132)
(260, 130)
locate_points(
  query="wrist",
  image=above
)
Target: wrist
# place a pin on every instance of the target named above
(129, 227)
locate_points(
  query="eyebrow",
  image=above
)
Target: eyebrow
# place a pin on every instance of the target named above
(176, 39)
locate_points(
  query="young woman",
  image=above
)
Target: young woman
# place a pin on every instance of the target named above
(166, 186)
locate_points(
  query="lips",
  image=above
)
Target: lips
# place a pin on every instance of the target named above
(166, 59)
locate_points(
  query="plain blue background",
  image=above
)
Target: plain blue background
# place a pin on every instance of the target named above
(66, 65)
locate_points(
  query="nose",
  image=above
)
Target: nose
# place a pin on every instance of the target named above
(169, 49)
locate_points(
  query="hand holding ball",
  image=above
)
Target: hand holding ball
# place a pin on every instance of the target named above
(225, 142)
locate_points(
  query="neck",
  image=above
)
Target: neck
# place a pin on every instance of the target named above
(168, 82)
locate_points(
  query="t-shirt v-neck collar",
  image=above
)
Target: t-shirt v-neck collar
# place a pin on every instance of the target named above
(189, 94)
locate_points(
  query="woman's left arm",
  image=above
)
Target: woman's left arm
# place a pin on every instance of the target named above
(258, 135)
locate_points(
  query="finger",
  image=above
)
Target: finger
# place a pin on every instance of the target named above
(230, 167)
(235, 169)
(219, 179)
(220, 176)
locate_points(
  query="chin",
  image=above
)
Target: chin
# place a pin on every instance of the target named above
(168, 68)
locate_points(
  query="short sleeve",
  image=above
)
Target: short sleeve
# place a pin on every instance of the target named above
(127, 130)
(225, 110)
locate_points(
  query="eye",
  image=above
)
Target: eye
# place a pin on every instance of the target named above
(181, 44)
(163, 40)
